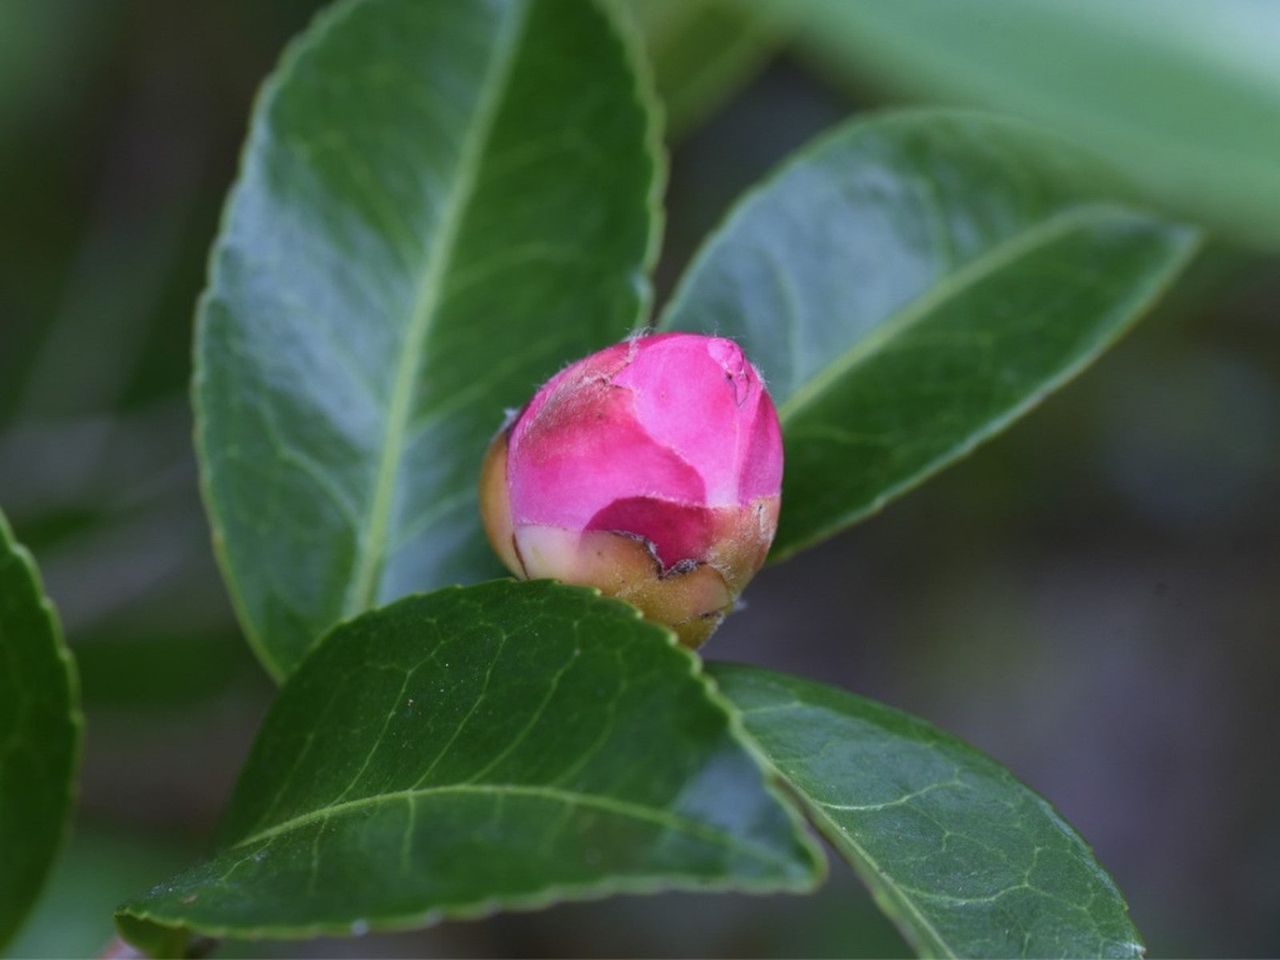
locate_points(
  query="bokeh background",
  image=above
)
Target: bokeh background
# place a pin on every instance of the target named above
(1094, 598)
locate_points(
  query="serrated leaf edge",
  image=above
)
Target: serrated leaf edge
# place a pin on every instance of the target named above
(554, 893)
(1184, 243)
(323, 21)
(883, 888)
(1189, 242)
(314, 34)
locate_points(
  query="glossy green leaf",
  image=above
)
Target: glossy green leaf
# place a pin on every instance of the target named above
(912, 283)
(439, 204)
(1185, 97)
(40, 733)
(498, 746)
(701, 53)
(964, 858)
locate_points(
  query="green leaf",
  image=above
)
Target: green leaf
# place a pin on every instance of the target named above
(40, 734)
(439, 204)
(964, 858)
(498, 746)
(908, 286)
(701, 52)
(161, 672)
(98, 870)
(1185, 97)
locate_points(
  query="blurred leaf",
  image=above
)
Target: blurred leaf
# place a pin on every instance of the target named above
(964, 858)
(1185, 97)
(99, 869)
(38, 40)
(701, 53)
(439, 204)
(908, 286)
(40, 734)
(498, 746)
(161, 671)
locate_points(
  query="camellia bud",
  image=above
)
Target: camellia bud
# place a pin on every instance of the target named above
(651, 470)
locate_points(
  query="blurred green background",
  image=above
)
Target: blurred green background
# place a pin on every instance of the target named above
(1094, 598)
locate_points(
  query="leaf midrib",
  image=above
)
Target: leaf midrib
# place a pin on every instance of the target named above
(607, 804)
(362, 592)
(949, 287)
(840, 836)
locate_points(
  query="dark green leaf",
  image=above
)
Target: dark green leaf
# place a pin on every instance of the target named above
(1185, 97)
(908, 286)
(40, 733)
(964, 858)
(701, 52)
(162, 672)
(497, 746)
(439, 204)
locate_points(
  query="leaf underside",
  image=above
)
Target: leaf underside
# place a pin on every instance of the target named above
(964, 858)
(40, 733)
(910, 284)
(489, 747)
(439, 203)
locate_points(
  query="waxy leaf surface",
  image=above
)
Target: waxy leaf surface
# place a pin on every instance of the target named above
(964, 858)
(1184, 97)
(40, 733)
(497, 746)
(439, 204)
(910, 284)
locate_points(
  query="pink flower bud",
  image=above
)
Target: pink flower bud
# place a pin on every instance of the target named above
(651, 470)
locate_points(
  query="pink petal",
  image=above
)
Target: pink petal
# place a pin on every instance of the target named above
(761, 470)
(695, 394)
(583, 451)
(677, 531)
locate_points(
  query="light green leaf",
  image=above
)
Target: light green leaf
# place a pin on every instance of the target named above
(1184, 97)
(491, 747)
(912, 283)
(964, 858)
(440, 203)
(40, 734)
(701, 52)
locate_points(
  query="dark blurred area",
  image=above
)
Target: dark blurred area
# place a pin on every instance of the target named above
(1094, 598)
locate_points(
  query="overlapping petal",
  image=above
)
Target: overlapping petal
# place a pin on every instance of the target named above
(651, 469)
